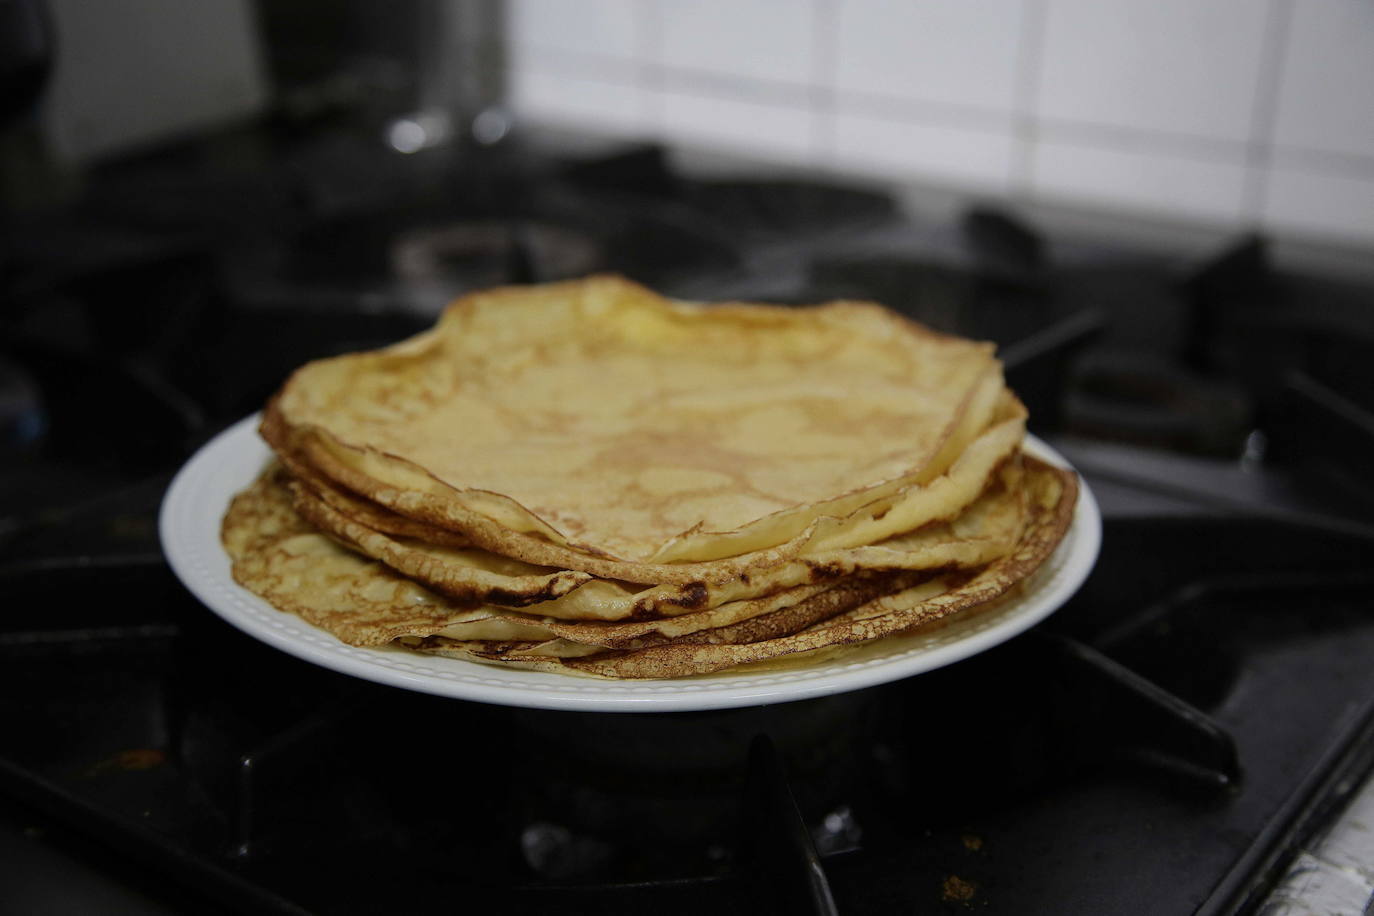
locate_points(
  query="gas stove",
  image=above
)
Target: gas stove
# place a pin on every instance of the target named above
(1168, 742)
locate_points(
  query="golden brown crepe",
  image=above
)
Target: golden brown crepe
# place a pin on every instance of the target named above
(587, 478)
(286, 560)
(1054, 493)
(349, 594)
(599, 416)
(941, 498)
(985, 530)
(282, 557)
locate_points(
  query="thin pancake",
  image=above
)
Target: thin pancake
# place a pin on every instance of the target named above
(600, 417)
(281, 557)
(985, 530)
(1054, 493)
(745, 621)
(940, 499)
(468, 575)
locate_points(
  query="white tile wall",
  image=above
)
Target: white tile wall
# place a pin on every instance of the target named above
(1170, 66)
(577, 101)
(780, 132)
(965, 157)
(946, 52)
(762, 40)
(556, 62)
(605, 28)
(1324, 204)
(1226, 112)
(1205, 187)
(1326, 98)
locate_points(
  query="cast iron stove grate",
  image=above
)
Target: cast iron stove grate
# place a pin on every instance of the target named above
(1161, 747)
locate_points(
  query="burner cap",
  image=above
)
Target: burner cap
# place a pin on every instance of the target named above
(481, 253)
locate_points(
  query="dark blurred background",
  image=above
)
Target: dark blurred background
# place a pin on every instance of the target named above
(1161, 211)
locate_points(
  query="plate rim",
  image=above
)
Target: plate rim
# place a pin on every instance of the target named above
(195, 502)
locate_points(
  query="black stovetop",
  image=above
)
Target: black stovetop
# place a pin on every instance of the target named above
(1161, 745)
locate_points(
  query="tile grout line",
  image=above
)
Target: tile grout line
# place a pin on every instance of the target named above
(656, 78)
(1026, 125)
(1115, 136)
(821, 97)
(608, 68)
(915, 110)
(746, 88)
(1264, 110)
(649, 70)
(1323, 162)
(707, 84)
(824, 64)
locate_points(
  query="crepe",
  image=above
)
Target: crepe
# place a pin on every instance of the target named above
(597, 416)
(1053, 492)
(283, 558)
(280, 556)
(980, 532)
(589, 479)
(332, 478)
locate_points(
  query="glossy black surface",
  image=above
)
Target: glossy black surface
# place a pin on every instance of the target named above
(1159, 746)
(1035, 774)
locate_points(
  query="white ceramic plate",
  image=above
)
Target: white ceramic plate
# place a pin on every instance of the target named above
(200, 494)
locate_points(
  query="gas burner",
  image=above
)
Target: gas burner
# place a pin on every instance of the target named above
(753, 209)
(234, 768)
(1302, 349)
(1004, 292)
(600, 814)
(775, 210)
(417, 259)
(1144, 400)
(473, 255)
(1163, 743)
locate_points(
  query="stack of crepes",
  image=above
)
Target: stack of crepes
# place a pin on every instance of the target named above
(588, 478)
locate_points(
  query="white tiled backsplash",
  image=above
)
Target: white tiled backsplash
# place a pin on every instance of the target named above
(1227, 112)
